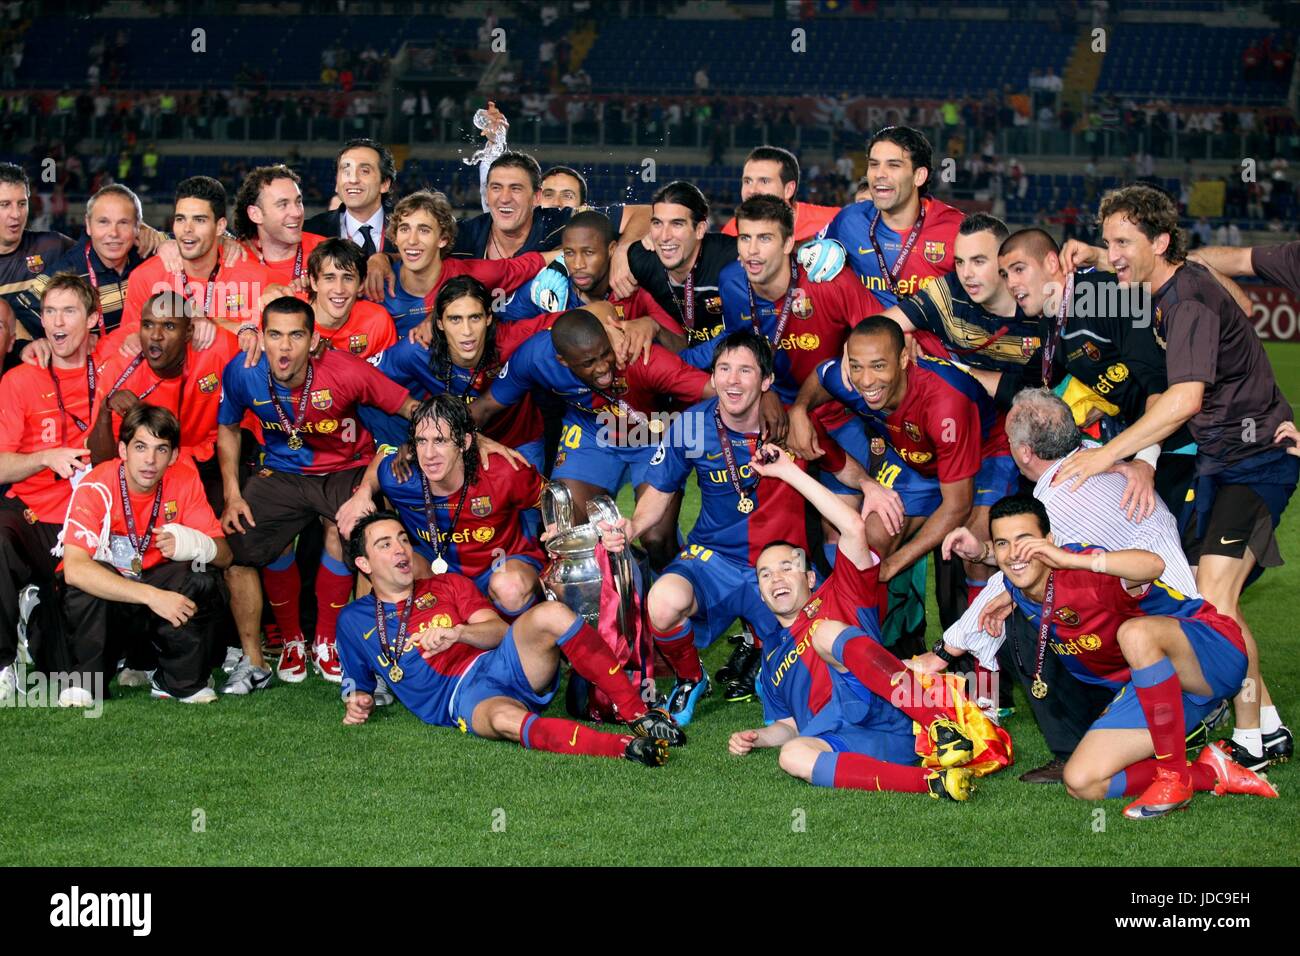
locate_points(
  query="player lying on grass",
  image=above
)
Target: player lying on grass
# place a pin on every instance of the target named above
(837, 725)
(1172, 660)
(448, 656)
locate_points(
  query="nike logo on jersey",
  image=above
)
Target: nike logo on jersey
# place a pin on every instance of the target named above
(366, 636)
(713, 457)
(613, 670)
(261, 401)
(1232, 541)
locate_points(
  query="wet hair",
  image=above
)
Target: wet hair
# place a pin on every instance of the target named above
(455, 414)
(513, 159)
(460, 287)
(357, 539)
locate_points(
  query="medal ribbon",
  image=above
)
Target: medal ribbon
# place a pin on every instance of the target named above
(686, 306)
(141, 545)
(1045, 625)
(393, 651)
(297, 259)
(729, 456)
(431, 516)
(211, 289)
(1053, 338)
(130, 370)
(890, 276)
(300, 417)
(786, 305)
(58, 395)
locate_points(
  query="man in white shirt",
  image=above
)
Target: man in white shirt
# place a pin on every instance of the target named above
(1042, 435)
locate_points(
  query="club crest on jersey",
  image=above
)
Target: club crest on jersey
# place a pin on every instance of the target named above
(877, 446)
(35, 265)
(913, 430)
(1089, 642)
(933, 250)
(208, 383)
(803, 305)
(1028, 346)
(169, 511)
(481, 507)
(30, 516)
(1067, 616)
(234, 301)
(713, 303)
(321, 399)
(1117, 372)
(425, 601)
(812, 607)
(357, 343)
(1092, 351)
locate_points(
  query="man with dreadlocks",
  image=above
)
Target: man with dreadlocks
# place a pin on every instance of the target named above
(461, 517)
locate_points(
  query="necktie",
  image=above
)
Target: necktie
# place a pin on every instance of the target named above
(368, 246)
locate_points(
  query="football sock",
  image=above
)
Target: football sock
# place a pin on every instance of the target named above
(1161, 697)
(1270, 721)
(876, 668)
(1134, 779)
(851, 771)
(1252, 740)
(333, 588)
(282, 585)
(569, 737)
(678, 649)
(592, 658)
(973, 589)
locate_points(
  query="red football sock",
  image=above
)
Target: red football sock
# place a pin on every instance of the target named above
(1161, 697)
(973, 590)
(861, 772)
(678, 649)
(569, 737)
(1139, 776)
(876, 667)
(282, 586)
(332, 593)
(592, 658)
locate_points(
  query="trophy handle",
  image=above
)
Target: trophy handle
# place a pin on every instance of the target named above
(557, 506)
(603, 508)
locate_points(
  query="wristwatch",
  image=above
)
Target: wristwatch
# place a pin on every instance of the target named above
(941, 652)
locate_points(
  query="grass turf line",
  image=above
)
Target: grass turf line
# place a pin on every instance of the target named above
(280, 781)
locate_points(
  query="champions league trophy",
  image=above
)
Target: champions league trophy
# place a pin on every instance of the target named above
(573, 576)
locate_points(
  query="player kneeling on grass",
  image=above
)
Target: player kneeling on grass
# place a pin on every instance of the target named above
(140, 547)
(837, 725)
(1172, 659)
(453, 662)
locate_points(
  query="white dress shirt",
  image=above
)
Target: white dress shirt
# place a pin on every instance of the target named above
(350, 228)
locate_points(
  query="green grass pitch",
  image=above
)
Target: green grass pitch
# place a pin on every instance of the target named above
(276, 779)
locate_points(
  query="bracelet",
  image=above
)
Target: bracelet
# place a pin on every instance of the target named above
(247, 328)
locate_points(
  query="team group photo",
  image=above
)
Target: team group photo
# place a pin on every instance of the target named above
(649, 433)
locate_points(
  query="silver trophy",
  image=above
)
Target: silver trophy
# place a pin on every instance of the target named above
(573, 575)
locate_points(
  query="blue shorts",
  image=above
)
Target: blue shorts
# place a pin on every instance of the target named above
(1222, 663)
(857, 721)
(582, 456)
(534, 453)
(498, 673)
(724, 590)
(998, 477)
(481, 582)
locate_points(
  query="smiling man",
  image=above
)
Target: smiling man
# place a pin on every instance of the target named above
(336, 270)
(1171, 659)
(23, 253)
(901, 239)
(106, 257)
(269, 222)
(364, 172)
(773, 171)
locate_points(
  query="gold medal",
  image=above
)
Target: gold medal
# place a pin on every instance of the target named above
(137, 566)
(295, 442)
(745, 505)
(656, 425)
(439, 565)
(394, 673)
(1038, 688)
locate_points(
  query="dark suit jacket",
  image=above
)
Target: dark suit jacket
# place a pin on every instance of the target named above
(324, 224)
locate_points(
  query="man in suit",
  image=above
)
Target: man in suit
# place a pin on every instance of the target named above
(364, 175)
